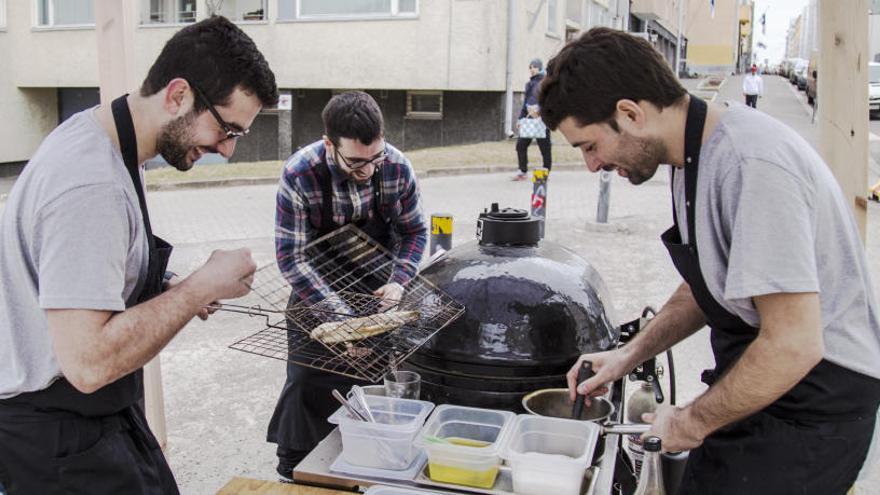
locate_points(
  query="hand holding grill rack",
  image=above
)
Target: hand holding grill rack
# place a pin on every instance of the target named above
(363, 341)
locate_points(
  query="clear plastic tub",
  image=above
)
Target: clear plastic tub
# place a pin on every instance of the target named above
(549, 455)
(463, 444)
(393, 490)
(387, 443)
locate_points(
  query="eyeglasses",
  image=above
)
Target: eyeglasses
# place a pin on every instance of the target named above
(230, 132)
(354, 165)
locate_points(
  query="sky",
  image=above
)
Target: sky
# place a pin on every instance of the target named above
(779, 15)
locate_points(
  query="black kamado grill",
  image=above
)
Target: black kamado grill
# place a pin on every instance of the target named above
(532, 307)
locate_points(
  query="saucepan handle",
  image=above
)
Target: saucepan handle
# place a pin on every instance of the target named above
(585, 372)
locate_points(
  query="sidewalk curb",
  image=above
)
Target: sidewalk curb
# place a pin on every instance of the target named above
(421, 174)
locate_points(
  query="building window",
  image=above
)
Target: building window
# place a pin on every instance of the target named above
(239, 10)
(346, 9)
(573, 13)
(553, 17)
(168, 11)
(424, 104)
(51, 13)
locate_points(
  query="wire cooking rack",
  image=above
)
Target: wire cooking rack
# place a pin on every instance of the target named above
(349, 332)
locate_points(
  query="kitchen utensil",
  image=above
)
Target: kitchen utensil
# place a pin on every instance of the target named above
(554, 402)
(351, 265)
(358, 395)
(585, 372)
(351, 410)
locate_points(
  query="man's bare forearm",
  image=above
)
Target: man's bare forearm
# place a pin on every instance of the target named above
(679, 318)
(786, 349)
(110, 348)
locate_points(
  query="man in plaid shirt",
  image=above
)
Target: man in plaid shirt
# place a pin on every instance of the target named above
(350, 176)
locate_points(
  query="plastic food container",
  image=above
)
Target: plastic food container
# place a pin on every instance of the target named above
(387, 443)
(393, 490)
(549, 455)
(463, 444)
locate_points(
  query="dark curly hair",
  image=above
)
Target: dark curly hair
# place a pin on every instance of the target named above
(353, 115)
(216, 56)
(587, 78)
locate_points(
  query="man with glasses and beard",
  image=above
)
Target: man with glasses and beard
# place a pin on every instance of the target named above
(350, 176)
(85, 300)
(771, 261)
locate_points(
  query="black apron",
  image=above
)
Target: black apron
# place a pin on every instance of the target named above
(60, 440)
(814, 438)
(300, 418)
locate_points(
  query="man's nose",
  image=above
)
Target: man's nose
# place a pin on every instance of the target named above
(226, 148)
(593, 163)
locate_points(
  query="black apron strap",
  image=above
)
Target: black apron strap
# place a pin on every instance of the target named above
(128, 147)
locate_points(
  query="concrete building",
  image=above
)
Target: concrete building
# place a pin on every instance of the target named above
(793, 38)
(658, 21)
(442, 70)
(715, 35)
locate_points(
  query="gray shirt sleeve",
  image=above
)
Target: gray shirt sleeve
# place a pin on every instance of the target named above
(771, 226)
(83, 238)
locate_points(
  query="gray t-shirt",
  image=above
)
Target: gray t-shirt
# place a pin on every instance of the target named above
(71, 237)
(771, 218)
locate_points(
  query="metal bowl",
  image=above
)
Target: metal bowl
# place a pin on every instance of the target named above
(554, 402)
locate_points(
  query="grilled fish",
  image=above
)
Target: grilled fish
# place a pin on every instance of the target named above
(335, 332)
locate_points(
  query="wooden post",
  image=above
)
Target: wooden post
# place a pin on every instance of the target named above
(843, 96)
(115, 24)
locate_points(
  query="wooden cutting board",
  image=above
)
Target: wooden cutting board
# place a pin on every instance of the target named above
(249, 486)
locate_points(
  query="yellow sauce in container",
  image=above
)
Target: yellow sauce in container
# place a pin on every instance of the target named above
(463, 476)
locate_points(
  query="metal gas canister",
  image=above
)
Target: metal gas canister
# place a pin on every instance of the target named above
(642, 400)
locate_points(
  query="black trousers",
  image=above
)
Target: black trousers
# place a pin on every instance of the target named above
(752, 101)
(522, 147)
(65, 453)
(766, 455)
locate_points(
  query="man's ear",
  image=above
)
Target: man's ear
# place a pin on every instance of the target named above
(629, 114)
(178, 97)
(327, 143)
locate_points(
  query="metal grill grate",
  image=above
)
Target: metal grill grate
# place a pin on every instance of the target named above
(352, 266)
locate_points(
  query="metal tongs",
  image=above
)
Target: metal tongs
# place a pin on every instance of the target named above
(355, 404)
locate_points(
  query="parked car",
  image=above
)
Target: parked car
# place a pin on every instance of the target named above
(873, 89)
(799, 67)
(812, 74)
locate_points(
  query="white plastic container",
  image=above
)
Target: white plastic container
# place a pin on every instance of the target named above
(464, 443)
(393, 490)
(387, 443)
(549, 455)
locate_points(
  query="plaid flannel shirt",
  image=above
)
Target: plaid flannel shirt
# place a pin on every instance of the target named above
(299, 202)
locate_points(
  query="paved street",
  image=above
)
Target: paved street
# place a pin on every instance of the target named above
(218, 401)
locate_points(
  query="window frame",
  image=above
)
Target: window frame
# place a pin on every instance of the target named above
(410, 114)
(52, 25)
(174, 22)
(553, 25)
(265, 6)
(2, 15)
(393, 14)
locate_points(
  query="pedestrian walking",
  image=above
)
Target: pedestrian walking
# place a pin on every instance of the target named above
(530, 126)
(771, 260)
(753, 87)
(86, 300)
